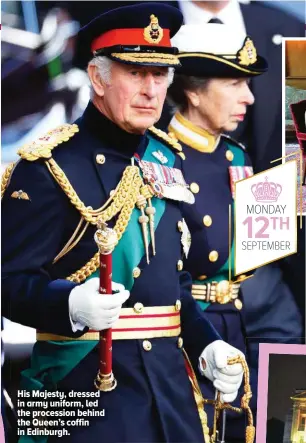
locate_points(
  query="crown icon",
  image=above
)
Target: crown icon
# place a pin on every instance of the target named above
(266, 192)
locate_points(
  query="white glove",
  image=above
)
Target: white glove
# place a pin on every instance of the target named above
(213, 364)
(87, 307)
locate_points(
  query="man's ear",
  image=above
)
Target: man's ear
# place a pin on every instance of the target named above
(193, 97)
(96, 81)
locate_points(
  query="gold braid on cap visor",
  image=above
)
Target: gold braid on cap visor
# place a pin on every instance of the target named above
(147, 58)
(219, 59)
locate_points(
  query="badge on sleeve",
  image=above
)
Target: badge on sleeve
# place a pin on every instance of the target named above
(20, 195)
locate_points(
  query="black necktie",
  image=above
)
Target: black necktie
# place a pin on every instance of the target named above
(216, 20)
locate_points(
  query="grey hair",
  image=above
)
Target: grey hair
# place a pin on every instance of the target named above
(104, 65)
(170, 76)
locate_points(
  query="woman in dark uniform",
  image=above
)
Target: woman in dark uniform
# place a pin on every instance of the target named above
(211, 93)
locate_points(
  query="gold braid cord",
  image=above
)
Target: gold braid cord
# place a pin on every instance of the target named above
(218, 405)
(43, 146)
(121, 203)
(245, 400)
(169, 139)
(6, 178)
(166, 138)
(73, 241)
(147, 58)
(198, 399)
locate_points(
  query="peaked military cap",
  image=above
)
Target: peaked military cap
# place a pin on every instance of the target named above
(217, 50)
(138, 34)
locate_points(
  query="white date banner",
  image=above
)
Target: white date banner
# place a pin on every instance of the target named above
(265, 217)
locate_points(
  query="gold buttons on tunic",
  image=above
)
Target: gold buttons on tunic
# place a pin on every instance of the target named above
(194, 187)
(229, 155)
(180, 342)
(147, 345)
(179, 265)
(202, 277)
(136, 272)
(238, 304)
(213, 256)
(178, 305)
(207, 220)
(100, 159)
(180, 225)
(138, 308)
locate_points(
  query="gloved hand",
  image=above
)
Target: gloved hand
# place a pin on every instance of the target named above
(87, 307)
(213, 364)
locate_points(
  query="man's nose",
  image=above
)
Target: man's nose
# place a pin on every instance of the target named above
(148, 85)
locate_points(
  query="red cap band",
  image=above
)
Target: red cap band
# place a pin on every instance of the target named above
(131, 36)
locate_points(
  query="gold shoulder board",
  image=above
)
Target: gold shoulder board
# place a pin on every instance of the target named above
(42, 147)
(6, 176)
(172, 142)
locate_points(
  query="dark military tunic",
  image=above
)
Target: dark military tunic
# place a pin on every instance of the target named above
(154, 400)
(268, 312)
(206, 168)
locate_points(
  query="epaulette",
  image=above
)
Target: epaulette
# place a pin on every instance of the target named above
(232, 140)
(6, 177)
(170, 140)
(43, 146)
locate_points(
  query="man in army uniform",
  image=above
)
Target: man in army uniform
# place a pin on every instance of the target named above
(108, 164)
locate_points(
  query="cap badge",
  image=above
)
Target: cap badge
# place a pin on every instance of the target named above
(153, 33)
(248, 54)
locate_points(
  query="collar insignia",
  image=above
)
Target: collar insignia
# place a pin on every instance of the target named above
(160, 156)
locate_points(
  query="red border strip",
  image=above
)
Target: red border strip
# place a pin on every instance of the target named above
(173, 314)
(129, 36)
(156, 328)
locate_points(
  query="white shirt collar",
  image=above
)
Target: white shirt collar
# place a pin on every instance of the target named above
(230, 15)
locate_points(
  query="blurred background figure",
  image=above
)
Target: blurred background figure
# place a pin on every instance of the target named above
(40, 89)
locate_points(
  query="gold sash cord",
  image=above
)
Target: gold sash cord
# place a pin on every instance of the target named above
(244, 405)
